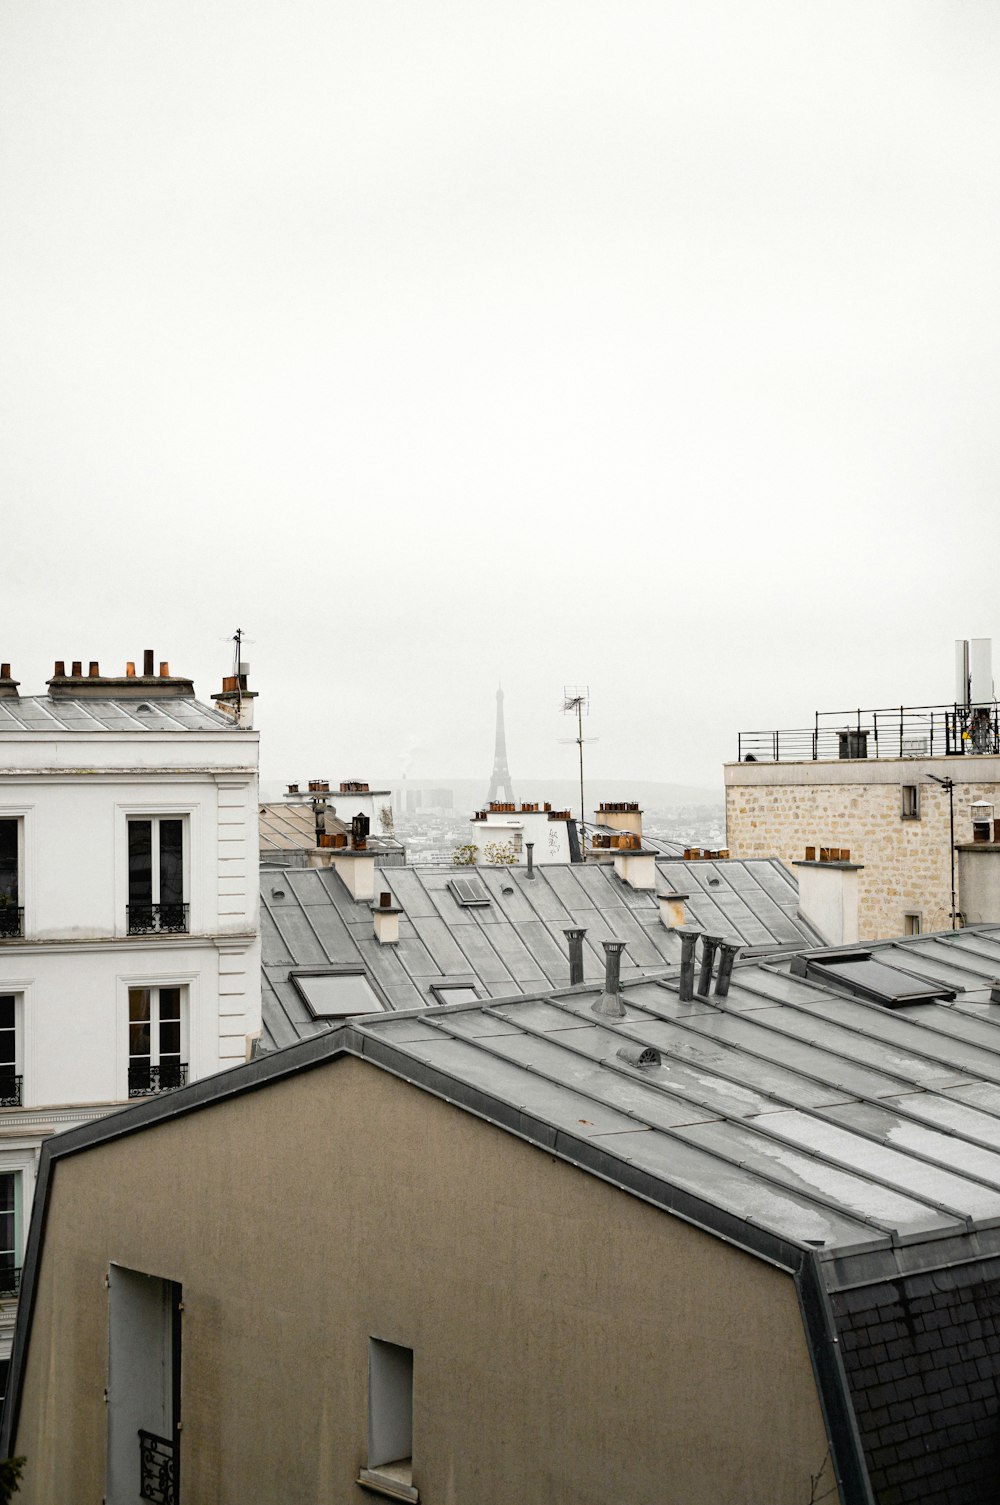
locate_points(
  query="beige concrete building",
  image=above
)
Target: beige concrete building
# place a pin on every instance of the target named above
(631, 1245)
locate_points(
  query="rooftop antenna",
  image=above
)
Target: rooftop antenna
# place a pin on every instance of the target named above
(576, 701)
(238, 637)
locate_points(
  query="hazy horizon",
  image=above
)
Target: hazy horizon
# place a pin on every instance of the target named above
(651, 347)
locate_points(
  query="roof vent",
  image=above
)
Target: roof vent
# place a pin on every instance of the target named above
(642, 1056)
(145, 709)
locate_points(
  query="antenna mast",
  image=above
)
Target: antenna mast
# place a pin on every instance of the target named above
(576, 699)
(237, 657)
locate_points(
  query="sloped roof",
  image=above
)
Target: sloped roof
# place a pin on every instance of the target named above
(43, 713)
(515, 944)
(855, 1147)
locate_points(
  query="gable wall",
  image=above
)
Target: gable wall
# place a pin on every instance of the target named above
(572, 1344)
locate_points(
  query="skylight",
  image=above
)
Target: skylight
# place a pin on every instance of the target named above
(469, 891)
(877, 981)
(454, 992)
(336, 995)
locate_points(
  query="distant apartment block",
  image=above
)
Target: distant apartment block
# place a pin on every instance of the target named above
(907, 796)
(129, 902)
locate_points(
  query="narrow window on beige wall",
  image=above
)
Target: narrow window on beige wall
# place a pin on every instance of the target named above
(911, 924)
(390, 1420)
(909, 807)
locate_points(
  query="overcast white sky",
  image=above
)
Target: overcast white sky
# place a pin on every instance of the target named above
(650, 346)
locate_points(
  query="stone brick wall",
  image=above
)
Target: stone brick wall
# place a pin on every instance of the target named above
(906, 862)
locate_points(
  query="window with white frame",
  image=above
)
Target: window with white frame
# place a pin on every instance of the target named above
(157, 1027)
(10, 1233)
(912, 924)
(11, 910)
(909, 801)
(10, 1070)
(156, 874)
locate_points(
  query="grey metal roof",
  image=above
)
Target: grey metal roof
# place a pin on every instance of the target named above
(753, 901)
(43, 713)
(513, 945)
(855, 1147)
(821, 1120)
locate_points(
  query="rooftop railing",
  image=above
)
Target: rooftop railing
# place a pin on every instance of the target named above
(923, 731)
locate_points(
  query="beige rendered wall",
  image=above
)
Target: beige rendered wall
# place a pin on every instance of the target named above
(778, 809)
(571, 1343)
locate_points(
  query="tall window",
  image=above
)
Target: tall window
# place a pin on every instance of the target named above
(144, 1388)
(155, 1052)
(10, 911)
(390, 1420)
(156, 875)
(10, 1232)
(10, 1079)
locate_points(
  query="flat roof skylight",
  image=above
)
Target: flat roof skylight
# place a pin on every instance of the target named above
(875, 980)
(336, 995)
(469, 891)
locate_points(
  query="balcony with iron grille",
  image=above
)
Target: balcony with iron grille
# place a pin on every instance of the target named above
(10, 1281)
(10, 1088)
(157, 919)
(145, 1081)
(11, 922)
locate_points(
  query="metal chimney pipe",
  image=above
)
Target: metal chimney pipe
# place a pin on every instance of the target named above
(709, 945)
(689, 940)
(575, 938)
(147, 663)
(529, 847)
(727, 956)
(610, 1002)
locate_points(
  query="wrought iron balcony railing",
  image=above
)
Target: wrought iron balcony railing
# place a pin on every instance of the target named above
(10, 1281)
(10, 1088)
(156, 1469)
(11, 921)
(143, 1081)
(923, 731)
(157, 919)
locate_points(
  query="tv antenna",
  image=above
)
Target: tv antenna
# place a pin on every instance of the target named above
(576, 702)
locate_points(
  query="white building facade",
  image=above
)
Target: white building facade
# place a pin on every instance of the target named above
(129, 931)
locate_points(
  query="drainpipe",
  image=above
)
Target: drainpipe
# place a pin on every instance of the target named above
(575, 938)
(709, 945)
(689, 940)
(610, 1002)
(727, 956)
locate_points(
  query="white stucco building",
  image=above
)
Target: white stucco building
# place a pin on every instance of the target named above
(504, 826)
(129, 934)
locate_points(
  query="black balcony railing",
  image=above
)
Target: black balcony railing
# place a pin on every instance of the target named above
(143, 1081)
(10, 1089)
(10, 1281)
(156, 1469)
(11, 921)
(923, 731)
(157, 919)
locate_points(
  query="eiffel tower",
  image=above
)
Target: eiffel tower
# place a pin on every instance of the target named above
(500, 786)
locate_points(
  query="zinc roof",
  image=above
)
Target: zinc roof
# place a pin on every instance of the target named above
(43, 713)
(515, 943)
(801, 1116)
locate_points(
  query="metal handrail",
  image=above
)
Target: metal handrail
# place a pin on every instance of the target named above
(883, 732)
